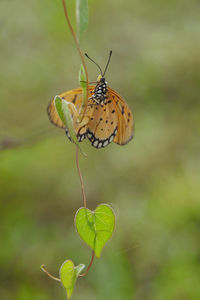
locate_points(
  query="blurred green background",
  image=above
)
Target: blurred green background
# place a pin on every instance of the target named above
(153, 183)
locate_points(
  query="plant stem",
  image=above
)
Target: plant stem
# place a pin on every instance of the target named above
(80, 53)
(89, 266)
(81, 178)
(83, 113)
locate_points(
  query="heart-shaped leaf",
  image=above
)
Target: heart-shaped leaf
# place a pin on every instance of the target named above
(69, 274)
(95, 227)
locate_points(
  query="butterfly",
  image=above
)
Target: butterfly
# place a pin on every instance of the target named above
(107, 116)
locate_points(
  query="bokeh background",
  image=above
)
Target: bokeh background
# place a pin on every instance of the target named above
(153, 183)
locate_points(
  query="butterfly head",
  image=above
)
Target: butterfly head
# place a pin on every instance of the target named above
(101, 79)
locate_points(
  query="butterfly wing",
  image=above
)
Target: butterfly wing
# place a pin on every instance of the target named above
(75, 97)
(102, 126)
(112, 121)
(125, 127)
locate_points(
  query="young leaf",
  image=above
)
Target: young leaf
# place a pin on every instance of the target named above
(95, 227)
(82, 80)
(62, 107)
(69, 121)
(82, 77)
(81, 15)
(69, 274)
(58, 105)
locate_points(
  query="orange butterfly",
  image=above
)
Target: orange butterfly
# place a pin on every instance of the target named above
(107, 117)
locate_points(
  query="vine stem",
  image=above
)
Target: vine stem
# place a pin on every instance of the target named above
(81, 178)
(85, 205)
(89, 266)
(83, 113)
(80, 53)
(43, 268)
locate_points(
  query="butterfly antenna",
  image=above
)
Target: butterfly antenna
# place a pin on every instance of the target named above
(94, 63)
(108, 62)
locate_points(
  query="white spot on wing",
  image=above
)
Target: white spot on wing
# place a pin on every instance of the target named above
(95, 143)
(111, 138)
(100, 145)
(105, 143)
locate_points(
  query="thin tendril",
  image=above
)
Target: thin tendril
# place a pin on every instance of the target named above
(81, 178)
(43, 268)
(80, 53)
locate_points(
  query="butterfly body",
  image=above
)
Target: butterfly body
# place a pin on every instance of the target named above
(100, 91)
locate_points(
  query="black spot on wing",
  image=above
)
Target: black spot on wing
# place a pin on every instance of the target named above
(74, 100)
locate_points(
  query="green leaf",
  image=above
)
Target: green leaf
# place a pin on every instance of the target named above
(62, 107)
(81, 15)
(69, 274)
(83, 84)
(69, 121)
(95, 227)
(58, 105)
(82, 77)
